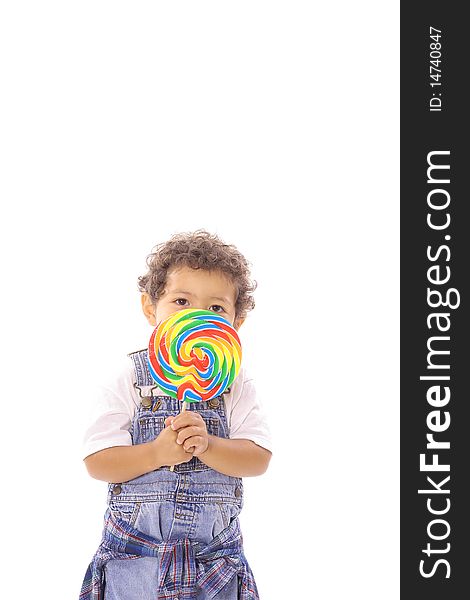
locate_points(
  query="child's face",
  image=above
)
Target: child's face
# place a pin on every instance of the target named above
(193, 288)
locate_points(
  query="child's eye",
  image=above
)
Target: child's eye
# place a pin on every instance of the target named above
(217, 308)
(181, 301)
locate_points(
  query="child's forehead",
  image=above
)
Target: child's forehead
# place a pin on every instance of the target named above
(181, 276)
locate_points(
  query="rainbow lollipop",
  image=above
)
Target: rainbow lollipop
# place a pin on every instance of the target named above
(194, 355)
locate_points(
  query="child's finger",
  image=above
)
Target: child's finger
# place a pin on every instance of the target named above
(194, 444)
(188, 432)
(201, 447)
(185, 419)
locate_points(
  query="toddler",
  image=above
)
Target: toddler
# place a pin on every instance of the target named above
(174, 534)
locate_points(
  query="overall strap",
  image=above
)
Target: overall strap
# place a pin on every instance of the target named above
(142, 373)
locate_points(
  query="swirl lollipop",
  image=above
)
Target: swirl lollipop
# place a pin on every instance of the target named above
(194, 355)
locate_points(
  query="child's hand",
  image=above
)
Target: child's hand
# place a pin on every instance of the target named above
(192, 431)
(168, 452)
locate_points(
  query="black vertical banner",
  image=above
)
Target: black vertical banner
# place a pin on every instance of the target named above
(435, 269)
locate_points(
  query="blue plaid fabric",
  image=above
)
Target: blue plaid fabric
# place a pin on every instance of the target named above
(184, 565)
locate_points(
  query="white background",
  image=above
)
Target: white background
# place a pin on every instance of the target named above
(273, 124)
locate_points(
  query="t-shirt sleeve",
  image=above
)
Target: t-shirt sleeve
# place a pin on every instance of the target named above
(111, 413)
(247, 419)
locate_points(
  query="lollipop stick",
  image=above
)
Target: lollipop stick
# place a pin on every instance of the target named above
(183, 408)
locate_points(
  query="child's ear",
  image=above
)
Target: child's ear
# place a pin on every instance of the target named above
(148, 308)
(238, 323)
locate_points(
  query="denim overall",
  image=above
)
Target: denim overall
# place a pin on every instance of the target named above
(192, 502)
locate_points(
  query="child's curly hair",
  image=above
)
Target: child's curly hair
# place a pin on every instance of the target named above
(199, 250)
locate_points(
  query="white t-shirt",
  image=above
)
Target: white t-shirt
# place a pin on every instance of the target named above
(113, 410)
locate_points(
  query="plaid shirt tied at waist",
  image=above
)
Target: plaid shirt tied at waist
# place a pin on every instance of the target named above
(184, 566)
